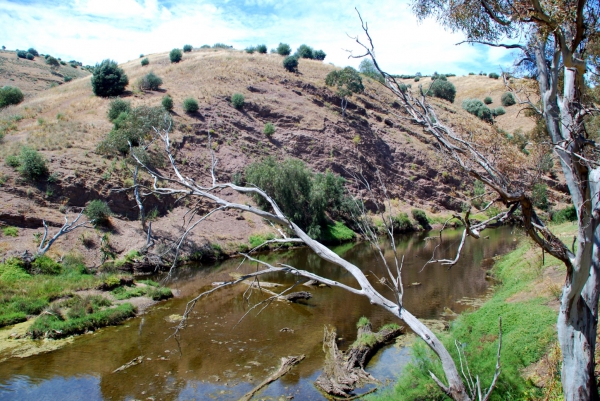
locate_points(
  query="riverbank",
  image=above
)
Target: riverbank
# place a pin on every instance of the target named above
(526, 297)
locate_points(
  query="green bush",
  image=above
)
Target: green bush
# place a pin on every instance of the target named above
(302, 195)
(493, 75)
(563, 215)
(21, 54)
(67, 78)
(319, 55)
(45, 265)
(190, 105)
(32, 165)
(269, 129)
(187, 48)
(116, 107)
(175, 56)
(477, 108)
(10, 231)
(402, 223)
(29, 56)
(167, 102)
(98, 212)
(145, 62)
(336, 233)
(108, 79)
(221, 46)
(539, 196)
(237, 101)
(10, 95)
(52, 62)
(283, 49)
(150, 81)
(33, 52)
(12, 161)
(417, 79)
(508, 99)
(498, 111)
(443, 89)
(488, 100)
(262, 49)
(421, 217)
(250, 49)
(63, 63)
(290, 63)
(305, 51)
(367, 68)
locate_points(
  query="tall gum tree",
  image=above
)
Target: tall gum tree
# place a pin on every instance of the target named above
(555, 38)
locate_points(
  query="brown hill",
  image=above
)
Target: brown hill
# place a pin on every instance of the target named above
(67, 122)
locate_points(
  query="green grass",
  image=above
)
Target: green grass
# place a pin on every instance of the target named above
(10, 231)
(258, 239)
(528, 328)
(151, 291)
(337, 233)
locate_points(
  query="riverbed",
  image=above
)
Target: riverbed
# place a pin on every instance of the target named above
(221, 356)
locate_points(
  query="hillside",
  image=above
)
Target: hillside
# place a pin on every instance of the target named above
(67, 122)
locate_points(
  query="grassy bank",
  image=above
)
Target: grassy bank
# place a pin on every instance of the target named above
(49, 290)
(525, 297)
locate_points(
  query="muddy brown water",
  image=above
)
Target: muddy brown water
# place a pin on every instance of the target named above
(217, 358)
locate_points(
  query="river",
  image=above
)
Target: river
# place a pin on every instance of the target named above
(219, 357)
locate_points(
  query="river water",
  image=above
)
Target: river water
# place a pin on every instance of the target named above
(219, 357)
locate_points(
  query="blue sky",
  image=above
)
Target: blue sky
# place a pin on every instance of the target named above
(93, 30)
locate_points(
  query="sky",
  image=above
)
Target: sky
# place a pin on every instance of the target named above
(93, 30)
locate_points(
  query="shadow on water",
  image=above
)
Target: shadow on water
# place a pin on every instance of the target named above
(219, 358)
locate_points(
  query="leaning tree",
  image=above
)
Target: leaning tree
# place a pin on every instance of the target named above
(559, 44)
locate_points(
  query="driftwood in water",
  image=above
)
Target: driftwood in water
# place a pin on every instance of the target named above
(295, 296)
(287, 363)
(343, 372)
(133, 362)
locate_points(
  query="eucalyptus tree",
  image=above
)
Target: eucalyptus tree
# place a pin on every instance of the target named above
(347, 81)
(557, 40)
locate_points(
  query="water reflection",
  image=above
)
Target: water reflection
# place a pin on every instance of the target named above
(218, 357)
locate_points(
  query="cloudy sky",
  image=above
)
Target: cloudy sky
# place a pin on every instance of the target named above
(92, 30)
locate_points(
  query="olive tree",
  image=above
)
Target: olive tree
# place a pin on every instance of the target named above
(554, 39)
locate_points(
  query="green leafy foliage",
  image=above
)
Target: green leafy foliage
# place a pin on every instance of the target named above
(150, 81)
(443, 89)
(98, 212)
(145, 62)
(250, 49)
(31, 164)
(262, 49)
(499, 111)
(190, 105)
(539, 195)
(305, 51)
(269, 129)
(493, 75)
(29, 56)
(10, 95)
(290, 63)
(21, 54)
(507, 99)
(319, 55)
(10, 231)
(116, 107)
(477, 108)
(488, 100)
(187, 48)
(347, 81)
(563, 215)
(108, 79)
(167, 102)
(237, 101)
(33, 52)
(367, 68)
(175, 55)
(402, 223)
(421, 217)
(52, 62)
(336, 233)
(283, 49)
(45, 265)
(302, 195)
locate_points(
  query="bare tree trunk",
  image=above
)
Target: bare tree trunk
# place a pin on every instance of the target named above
(344, 105)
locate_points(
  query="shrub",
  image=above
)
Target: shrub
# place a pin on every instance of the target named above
(498, 111)
(45, 265)
(33, 51)
(250, 49)
(443, 89)
(305, 51)
(190, 105)
(539, 196)
(488, 100)
(175, 56)
(108, 79)
(477, 108)
(566, 214)
(221, 46)
(402, 223)
(421, 217)
(471, 73)
(187, 48)
(10, 231)
(145, 62)
(290, 63)
(10, 95)
(141, 55)
(63, 63)
(116, 107)
(67, 78)
(269, 129)
(12, 161)
(167, 103)
(319, 55)
(29, 56)
(262, 49)
(417, 79)
(32, 165)
(52, 62)
(508, 99)
(98, 212)
(150, 81)
(368, 69)
(21, 54)
(493, 75)
(283, 49)
(237, 101)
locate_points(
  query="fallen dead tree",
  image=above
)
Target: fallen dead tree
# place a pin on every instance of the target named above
(343, 372)
(287, 363)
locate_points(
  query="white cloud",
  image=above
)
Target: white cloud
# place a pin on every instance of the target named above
(91, 30)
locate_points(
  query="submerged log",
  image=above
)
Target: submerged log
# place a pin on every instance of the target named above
(287, 363)
(344, 371)
(295, 296)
